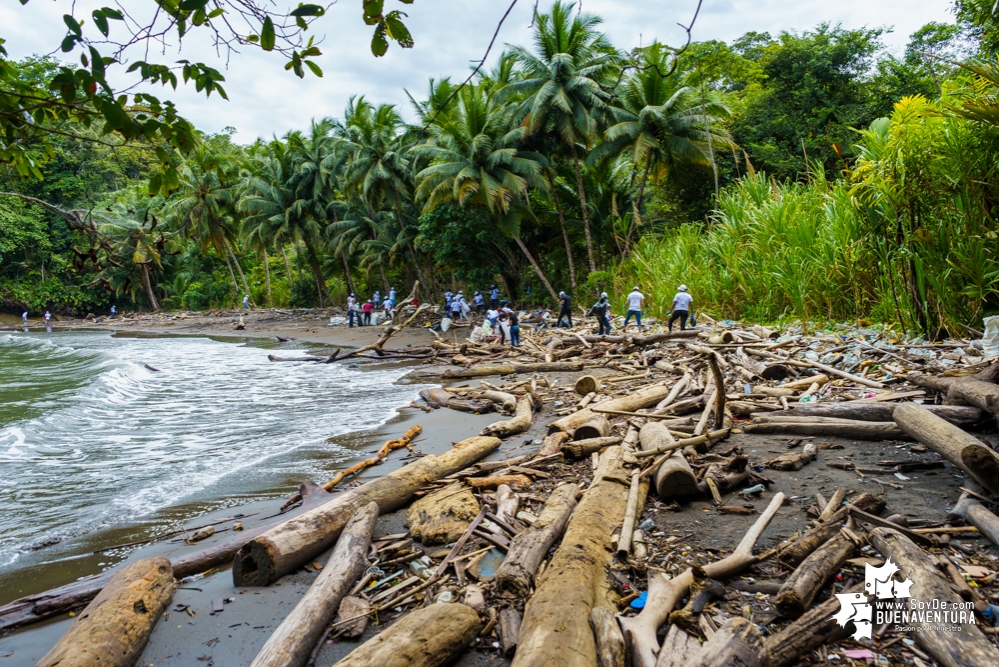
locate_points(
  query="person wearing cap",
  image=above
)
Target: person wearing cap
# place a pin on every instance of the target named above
(636, 306)
(351, 309)
(565, 309)
(681, 308)
(368, 308)
(601, 310)
(391, 296)
(376, 298)
(493, 296)
(448, 295)
(480, 302)
(456, 306)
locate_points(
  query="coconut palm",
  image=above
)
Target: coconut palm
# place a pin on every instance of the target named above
(561, 85)
(475, 160)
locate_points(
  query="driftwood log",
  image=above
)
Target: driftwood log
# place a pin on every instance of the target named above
(978, 516)
(556, 626)
(596, 426)
(292, 642)
(608, 637)
(587, 384)
(113, 630)
(673, 478)
(442, 516)
(962, 449)
(643, 398)
(796, 551)
(507, 369)
(958, 415)
(678, 649)
(520, 422)
(509, 631)
(427, 637)
(859, 430)
(288, 546)
(737, 643)
(664, 593)
(813, 629)
(963, 390)
(951, 649)
(583, 448)
(799, 590)
(507, 502)
(530, 547)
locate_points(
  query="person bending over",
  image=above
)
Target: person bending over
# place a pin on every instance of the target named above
(681, 308)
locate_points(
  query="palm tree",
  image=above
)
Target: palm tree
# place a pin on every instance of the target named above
(474, 159)
(661, 121)
(561, 85)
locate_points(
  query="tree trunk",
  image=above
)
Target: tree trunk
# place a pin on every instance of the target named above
(287, 267)
(962, 449)
(291, 644)
(530, 547)
(286, 547)
(507, 369)
(978, 516)
(707, 132)
(153, 303)
(596, 426)
(317, 270)
(113, 630)
(951, 649)
(858, 430)
(966, 390)
(641, 191)
(737, 643)
(537, 269)
(583, 448)
(673, 478)
(235, 260)
(799, 590)
(556, 627)
(427, 637)
(815, 628)
(582, 205)
(565, 230)
(642, 398)
(267, 279)
(346, 271)
(232, 275)
(958, 415)
(608, 637)
(518, 424)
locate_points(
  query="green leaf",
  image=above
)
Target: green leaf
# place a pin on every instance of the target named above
(373, 11)
(253, 39)
(315, 68)
(155, 184)
(216, 12)
(379, 43)
(267, 35)
(112, 14)
(68, 43)
(73, 25)
(398, 31)
(308, 10)
(192, 5)
(101, 22)
(97, 64)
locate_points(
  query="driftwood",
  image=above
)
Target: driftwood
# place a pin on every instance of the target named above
(556, 627)
(352, 617)
(643, 398)
(520, 422)
(800, 589)
(703, 590)
(737, 643)
(443, 516)
(552, 443)
(427, 637)
(963, 450)
(664, 593)
(587, 384)
(530, 547)
(507, 369)
(288, 546)
(978, 516)
(517, 481)
(583, 448)
(790, 461)
(958, 415)
(835, 371)
(678, 649)
(857, 429)
(509, 630)
(292, 642)
(673, 478)
(951, 649)
(815, 628)
(596, 426)
(796, 551)
(114, 628)
(405, 441)
(507, 503)
(630, 515)
(686, 442)
(608, 637)
(962, 390)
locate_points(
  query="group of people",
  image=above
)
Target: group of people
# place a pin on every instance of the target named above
(680, 309)
(457, 306)
(362, 312)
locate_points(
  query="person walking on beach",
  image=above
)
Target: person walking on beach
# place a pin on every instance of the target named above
(565, 310)
(636, 306)
(514, 330)
(456, 306)
(48, 317)
(113, 311)
(601, 310)
(680, 308)
(351, 309)
(368, 307)
(391, 296)
(377, 298)
(448, 296)
(480, 302)
(24, 318)
(246, 302)
(493, 296)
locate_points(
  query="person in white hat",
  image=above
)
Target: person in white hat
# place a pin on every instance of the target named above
(601, 310)
(681, 308)
(636, 306)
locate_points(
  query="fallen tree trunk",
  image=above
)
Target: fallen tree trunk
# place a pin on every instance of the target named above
(288, 546)
(507, 503)
(292, 642)
(583, 448)
(963, 450)
(832, 370)
(978, 516)
(507, 369)
(398, 443)
(631, 340)
(815, 628)
(793, 553)
(664, 593)
(427, 637)
(799, 590)
(966, 390)
(958, 415)
(737, 643)
(608, 637)
(556, 626)
(596, 426)
(967, 648)
(643, 398)
(521, 421)
(33, 608)
(858, 430)
(673, 478)
(113, 630)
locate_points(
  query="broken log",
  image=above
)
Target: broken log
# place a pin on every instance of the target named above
(664, 593)
(427, 637)
(596, 426)
(556, 627)
(552, 444)
(530, 547)
(643, 398)
(686, 442)
(630, 514)
(507, 369)
(443, 516)
(796, 551)
(678, 649)
(521, 421)
(587, 384)
(951, 649)
(673, 478)
(286, 547)
(509, 630)
(815, 628)
(965, 451)
(978, 516)
(292, 642)
(113, 630)
(352, 617)
(832, 370)
(737, 643)
(507, 503)
(800, 589)
(789, 461)
(608, 637)
(583, 448)
(858, 429)
(518, 481)
(962, 390)
(959, 415)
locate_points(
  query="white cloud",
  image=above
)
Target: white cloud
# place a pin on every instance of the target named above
(264, 99)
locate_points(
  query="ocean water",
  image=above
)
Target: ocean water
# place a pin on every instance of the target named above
(91, 439)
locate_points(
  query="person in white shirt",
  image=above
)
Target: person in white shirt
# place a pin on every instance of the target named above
(636, 305)
(351, 309)
(681, 308)
(24, 317)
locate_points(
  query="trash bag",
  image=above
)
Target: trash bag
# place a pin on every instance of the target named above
(445, 324)
(693, 321)
(990, 342)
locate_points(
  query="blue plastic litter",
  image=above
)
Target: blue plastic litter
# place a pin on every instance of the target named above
(992, 614)
(639, 602)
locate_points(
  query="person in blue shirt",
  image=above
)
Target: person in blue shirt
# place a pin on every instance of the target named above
(24, 317)
(448, 296)
(494, 296)
(113, 311)
(480, 303)
(377, 298)
(391, 296)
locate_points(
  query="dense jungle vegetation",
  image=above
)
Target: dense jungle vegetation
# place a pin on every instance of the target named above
(813, 175)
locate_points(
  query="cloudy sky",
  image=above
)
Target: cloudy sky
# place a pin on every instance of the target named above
(265, 100)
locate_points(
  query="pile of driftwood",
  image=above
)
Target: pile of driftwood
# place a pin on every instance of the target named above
(563, 554)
